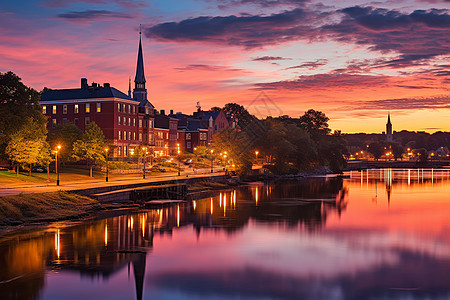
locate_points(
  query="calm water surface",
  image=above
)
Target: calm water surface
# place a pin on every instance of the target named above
(380, 234)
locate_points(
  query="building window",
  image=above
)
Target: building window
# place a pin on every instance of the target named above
(54, 110)
(120, 120)
(188, 145)
(88, 108)
(150, 138)
(129, 121)
(44, 109)
(53, 122)
(64, 120)
(140, 136)
(188, 136)
(75, 121)
(118, 107)
(134, 122)
(120, 135)
(86, 121)
(150, 123)
(129, 108)
(124, 135)
(125, 152)
(99, 107)
(134, 135)
(120, 149)
(140, 123)
(129, 135)
(65, 109)
(75, 108)
(123, 108)
(134, 109)
(124, 121)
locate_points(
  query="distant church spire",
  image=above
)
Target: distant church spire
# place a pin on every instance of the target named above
(389, 129)
(139, 92)
(129, 87)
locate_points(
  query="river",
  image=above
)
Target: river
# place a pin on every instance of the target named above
(375, 234)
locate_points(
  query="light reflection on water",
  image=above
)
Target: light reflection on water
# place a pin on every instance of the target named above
(378, 234)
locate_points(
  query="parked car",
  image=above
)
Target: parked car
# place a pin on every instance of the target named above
(188, 161)
(163, 159)
(39, 169)
(162, 169)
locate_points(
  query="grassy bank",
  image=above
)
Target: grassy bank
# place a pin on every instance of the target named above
(25, 208)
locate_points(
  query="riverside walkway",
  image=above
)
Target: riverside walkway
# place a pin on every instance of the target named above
(98, 182)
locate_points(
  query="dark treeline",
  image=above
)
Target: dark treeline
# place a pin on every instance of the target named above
(287, 145)
(408, 139)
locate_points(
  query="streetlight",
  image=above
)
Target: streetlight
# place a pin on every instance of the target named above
(56, 166)
(212, 160)
(144, 149)
(107, 167)
(256, 154)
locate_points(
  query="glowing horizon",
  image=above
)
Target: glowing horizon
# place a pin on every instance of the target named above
(354, 61)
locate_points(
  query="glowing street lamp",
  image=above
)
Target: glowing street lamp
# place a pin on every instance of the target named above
(144, 149)
(212, 160)
(107, 167)
(256, 154)
(56, 164)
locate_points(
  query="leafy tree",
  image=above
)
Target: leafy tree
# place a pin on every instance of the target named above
(215, 108)
(91, 147)
(28, 145)
(397, 150)
(18, 104)
(315, 122)
(64, 135)
(236, 144)
(376, 149)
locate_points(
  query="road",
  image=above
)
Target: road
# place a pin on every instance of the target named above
(44, 187)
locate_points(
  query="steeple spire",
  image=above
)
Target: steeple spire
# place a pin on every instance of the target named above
(389, 118)
(129, 87)
(140, 92)
(140, 78)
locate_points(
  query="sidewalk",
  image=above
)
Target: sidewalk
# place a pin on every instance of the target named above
(98, 181)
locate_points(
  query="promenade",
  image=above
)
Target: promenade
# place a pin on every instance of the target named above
(99, 181)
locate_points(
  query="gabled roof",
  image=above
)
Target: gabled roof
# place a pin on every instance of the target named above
(83, 93)
(205, 115)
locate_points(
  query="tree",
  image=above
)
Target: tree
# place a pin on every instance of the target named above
(315, 122)
(235, 143)
(65, 135)
(18, 104)
(397, 150)
(28, 145)
(215, 108)
(376, 149)
(91, 147)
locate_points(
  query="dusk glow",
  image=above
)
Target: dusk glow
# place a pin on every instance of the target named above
(355, 61)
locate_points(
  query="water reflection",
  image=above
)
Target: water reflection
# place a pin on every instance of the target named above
(379, 234)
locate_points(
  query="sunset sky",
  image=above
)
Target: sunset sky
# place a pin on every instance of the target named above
(354, 60)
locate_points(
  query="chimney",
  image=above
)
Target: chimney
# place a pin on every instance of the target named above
(84, 84)
(163, 112)
(171, 111)
(106, 84)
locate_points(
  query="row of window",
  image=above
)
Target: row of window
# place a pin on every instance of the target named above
(75, 121)
(76, 108)
(150, 123)
(121, 107)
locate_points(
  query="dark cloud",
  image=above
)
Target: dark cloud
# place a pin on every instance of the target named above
(437, 102)
(93, 14)
(270, 58)
(261, 3)
(418, 36)
(200, 67)
(326, 81)
(246, 31)
(65, 3)
(310, 64)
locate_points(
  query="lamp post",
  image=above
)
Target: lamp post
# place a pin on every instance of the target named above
(178, 152)
(57, 165)
(212, 160)
(107, 167)
(144, 149)
(256, 154)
